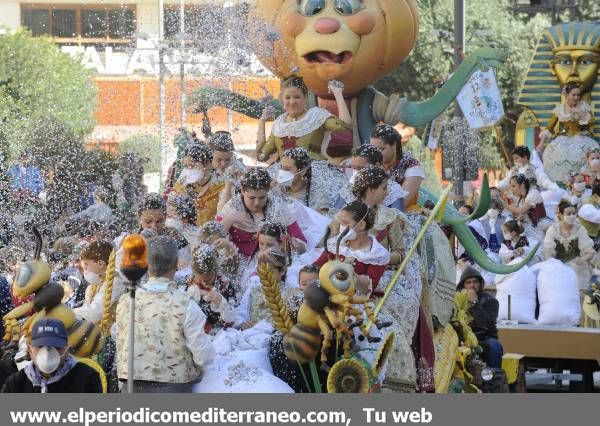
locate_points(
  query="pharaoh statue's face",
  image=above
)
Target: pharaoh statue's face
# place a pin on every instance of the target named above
(578, 66)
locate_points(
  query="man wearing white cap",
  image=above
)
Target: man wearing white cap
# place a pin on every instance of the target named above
(589, 217)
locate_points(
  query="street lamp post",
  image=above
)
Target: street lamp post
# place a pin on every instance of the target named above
(182, 58)
(459, 52)
(161, 84)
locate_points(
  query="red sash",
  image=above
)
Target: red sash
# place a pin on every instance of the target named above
(289, 142)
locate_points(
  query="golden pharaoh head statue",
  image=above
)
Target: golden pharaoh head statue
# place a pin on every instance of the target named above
(565, 53)
(576, 53)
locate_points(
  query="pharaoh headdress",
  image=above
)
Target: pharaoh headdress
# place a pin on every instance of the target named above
(541, 91)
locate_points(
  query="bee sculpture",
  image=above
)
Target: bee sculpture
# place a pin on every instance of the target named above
(328, 306)
(33, 277)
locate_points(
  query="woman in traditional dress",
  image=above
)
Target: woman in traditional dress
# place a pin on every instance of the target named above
(242, 362)
(491, 225)
(371, 187)
(245, 213)
(514, 243)
(568, 132)
(394, 231)
(591, 172)
(181, 215)
(213, 233)
(198, 180)
(402, 166)
(299, 126)
(311, 182)
(213, 292)
(528, 207)
(363, 156)
(577, 190)
(152, 215)
(569, 242)
(253, 307)
(368, 257)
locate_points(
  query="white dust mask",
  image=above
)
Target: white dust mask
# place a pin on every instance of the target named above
(571, 219)
(493, 214)
(595, 163)
(353, 177)
(190, 176)
(285, 178)
(506, 236)
(349, 171)
(92, 277)
(350, 236)
(172, 222)
(47, 359)
(579, 186)
(194, 292)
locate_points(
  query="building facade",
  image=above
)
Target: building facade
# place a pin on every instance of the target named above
(120, 41)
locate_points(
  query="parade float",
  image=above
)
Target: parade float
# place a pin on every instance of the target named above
(564, 129)
(287, 41)
(357, 43)
(567, 56)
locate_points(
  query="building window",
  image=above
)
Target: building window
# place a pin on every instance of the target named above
(64, 23)
(203, 24)
(83, 24)
(94, 23)
(37, 20)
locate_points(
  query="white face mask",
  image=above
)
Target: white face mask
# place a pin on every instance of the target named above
(595, 163)
(493, 214)
(506, 236)
(92, 277)
(285, 178)
(571, 219)
(172, 222)
(189, 176)
(194, 292)
(353, 177)
(349, 171)
(47, 359)
(579, 186)
(350, 236)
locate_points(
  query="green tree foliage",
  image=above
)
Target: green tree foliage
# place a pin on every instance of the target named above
(145, 146)
(432, 59)
(588, 10)
(38, 82)
(488, 24)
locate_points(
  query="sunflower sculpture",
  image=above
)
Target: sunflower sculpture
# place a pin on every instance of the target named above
(349, 375)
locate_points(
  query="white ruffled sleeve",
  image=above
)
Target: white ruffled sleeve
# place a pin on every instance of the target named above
(550, 243)
(196, 340)
(415, 171)
(505, 253)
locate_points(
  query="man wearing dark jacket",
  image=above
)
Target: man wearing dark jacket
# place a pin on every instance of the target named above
(484, 310)
(52, 368)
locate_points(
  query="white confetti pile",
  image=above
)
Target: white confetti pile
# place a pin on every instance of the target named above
(242, 372)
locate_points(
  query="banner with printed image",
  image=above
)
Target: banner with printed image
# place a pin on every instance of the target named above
(480, 100)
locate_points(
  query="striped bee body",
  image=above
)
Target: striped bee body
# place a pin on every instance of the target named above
(303, 342)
